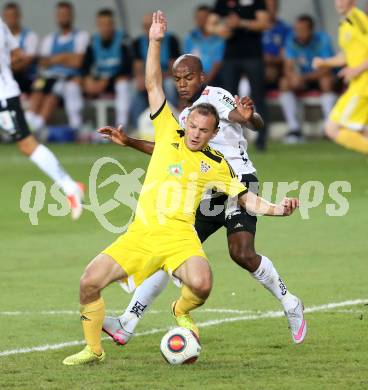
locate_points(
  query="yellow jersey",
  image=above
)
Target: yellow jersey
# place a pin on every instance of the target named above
(353, 40)
(177, 177)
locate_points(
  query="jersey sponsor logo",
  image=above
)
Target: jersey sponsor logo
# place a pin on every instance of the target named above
(205, 167)
(228, 102)
(84, 318)
(175, 170)
(206, 91)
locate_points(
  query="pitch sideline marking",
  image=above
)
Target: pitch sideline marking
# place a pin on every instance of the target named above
(269, 314)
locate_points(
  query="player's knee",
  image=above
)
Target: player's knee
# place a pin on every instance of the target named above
(243, 255)
(89, 285)
(27, 146)
(201, 285)
(331, 130)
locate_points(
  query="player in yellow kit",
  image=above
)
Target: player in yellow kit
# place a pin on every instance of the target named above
(348, 121)
(162, 235)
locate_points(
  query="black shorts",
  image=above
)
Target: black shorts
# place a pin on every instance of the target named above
(24, 82)
(237, 221)
(44, 85)
(12, 119)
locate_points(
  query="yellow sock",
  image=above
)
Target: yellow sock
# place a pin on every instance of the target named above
(188, 301)
(353, 140)
(92, 316)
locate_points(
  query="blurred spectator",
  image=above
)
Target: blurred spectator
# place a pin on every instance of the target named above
(208, 47)
(107, 65)
(301, 47)
(273, 45)
(243, 24)
(25, 69)
(170, 50)
(61, 58)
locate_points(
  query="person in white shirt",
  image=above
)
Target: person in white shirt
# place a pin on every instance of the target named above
(61, 57)
(241, 226)
(13, 122)
(25, 70)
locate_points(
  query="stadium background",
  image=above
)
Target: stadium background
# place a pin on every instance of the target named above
(245, 337)
(38, 14)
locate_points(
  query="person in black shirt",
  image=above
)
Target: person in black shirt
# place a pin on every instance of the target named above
(107, 65)
(243, 24)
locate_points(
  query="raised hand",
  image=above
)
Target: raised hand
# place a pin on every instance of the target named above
(158, 26)
(115, 135)
(245, 107)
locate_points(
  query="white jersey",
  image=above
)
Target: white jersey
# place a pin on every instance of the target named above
(8, 86)
(230, 140)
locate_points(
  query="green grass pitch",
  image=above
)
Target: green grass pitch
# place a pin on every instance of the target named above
(246, 344)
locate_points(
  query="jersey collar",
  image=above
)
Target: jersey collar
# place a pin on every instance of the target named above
(198, 94)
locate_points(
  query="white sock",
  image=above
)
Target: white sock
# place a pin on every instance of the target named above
(142, 299)
(50, 165)
(267, 275)
(35, 121)
(328, 100)
(290, 109)
(73, 104)
(122, 102)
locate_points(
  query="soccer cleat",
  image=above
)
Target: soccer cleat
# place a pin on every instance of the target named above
(113, 327)
(297, 323)
(185, 321)
(84, 357)
(75, 201)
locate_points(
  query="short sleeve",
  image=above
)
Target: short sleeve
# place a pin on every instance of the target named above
(289, 48)
(81, 42)
(223, 101)
(230, 183)
(31, 44)
(11, 42)
(46, 45)
(165, 125)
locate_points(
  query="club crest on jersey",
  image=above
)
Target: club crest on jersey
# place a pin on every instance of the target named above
(205, 167)
(175, 170)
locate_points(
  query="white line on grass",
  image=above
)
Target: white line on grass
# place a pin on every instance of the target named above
(75, 312)
(269, 314)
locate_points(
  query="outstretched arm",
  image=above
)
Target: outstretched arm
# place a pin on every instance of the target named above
(245, 115)
(259, 206)
(119, 137)
(153, 82)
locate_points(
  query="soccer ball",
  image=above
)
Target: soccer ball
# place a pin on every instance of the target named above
(180, 346)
